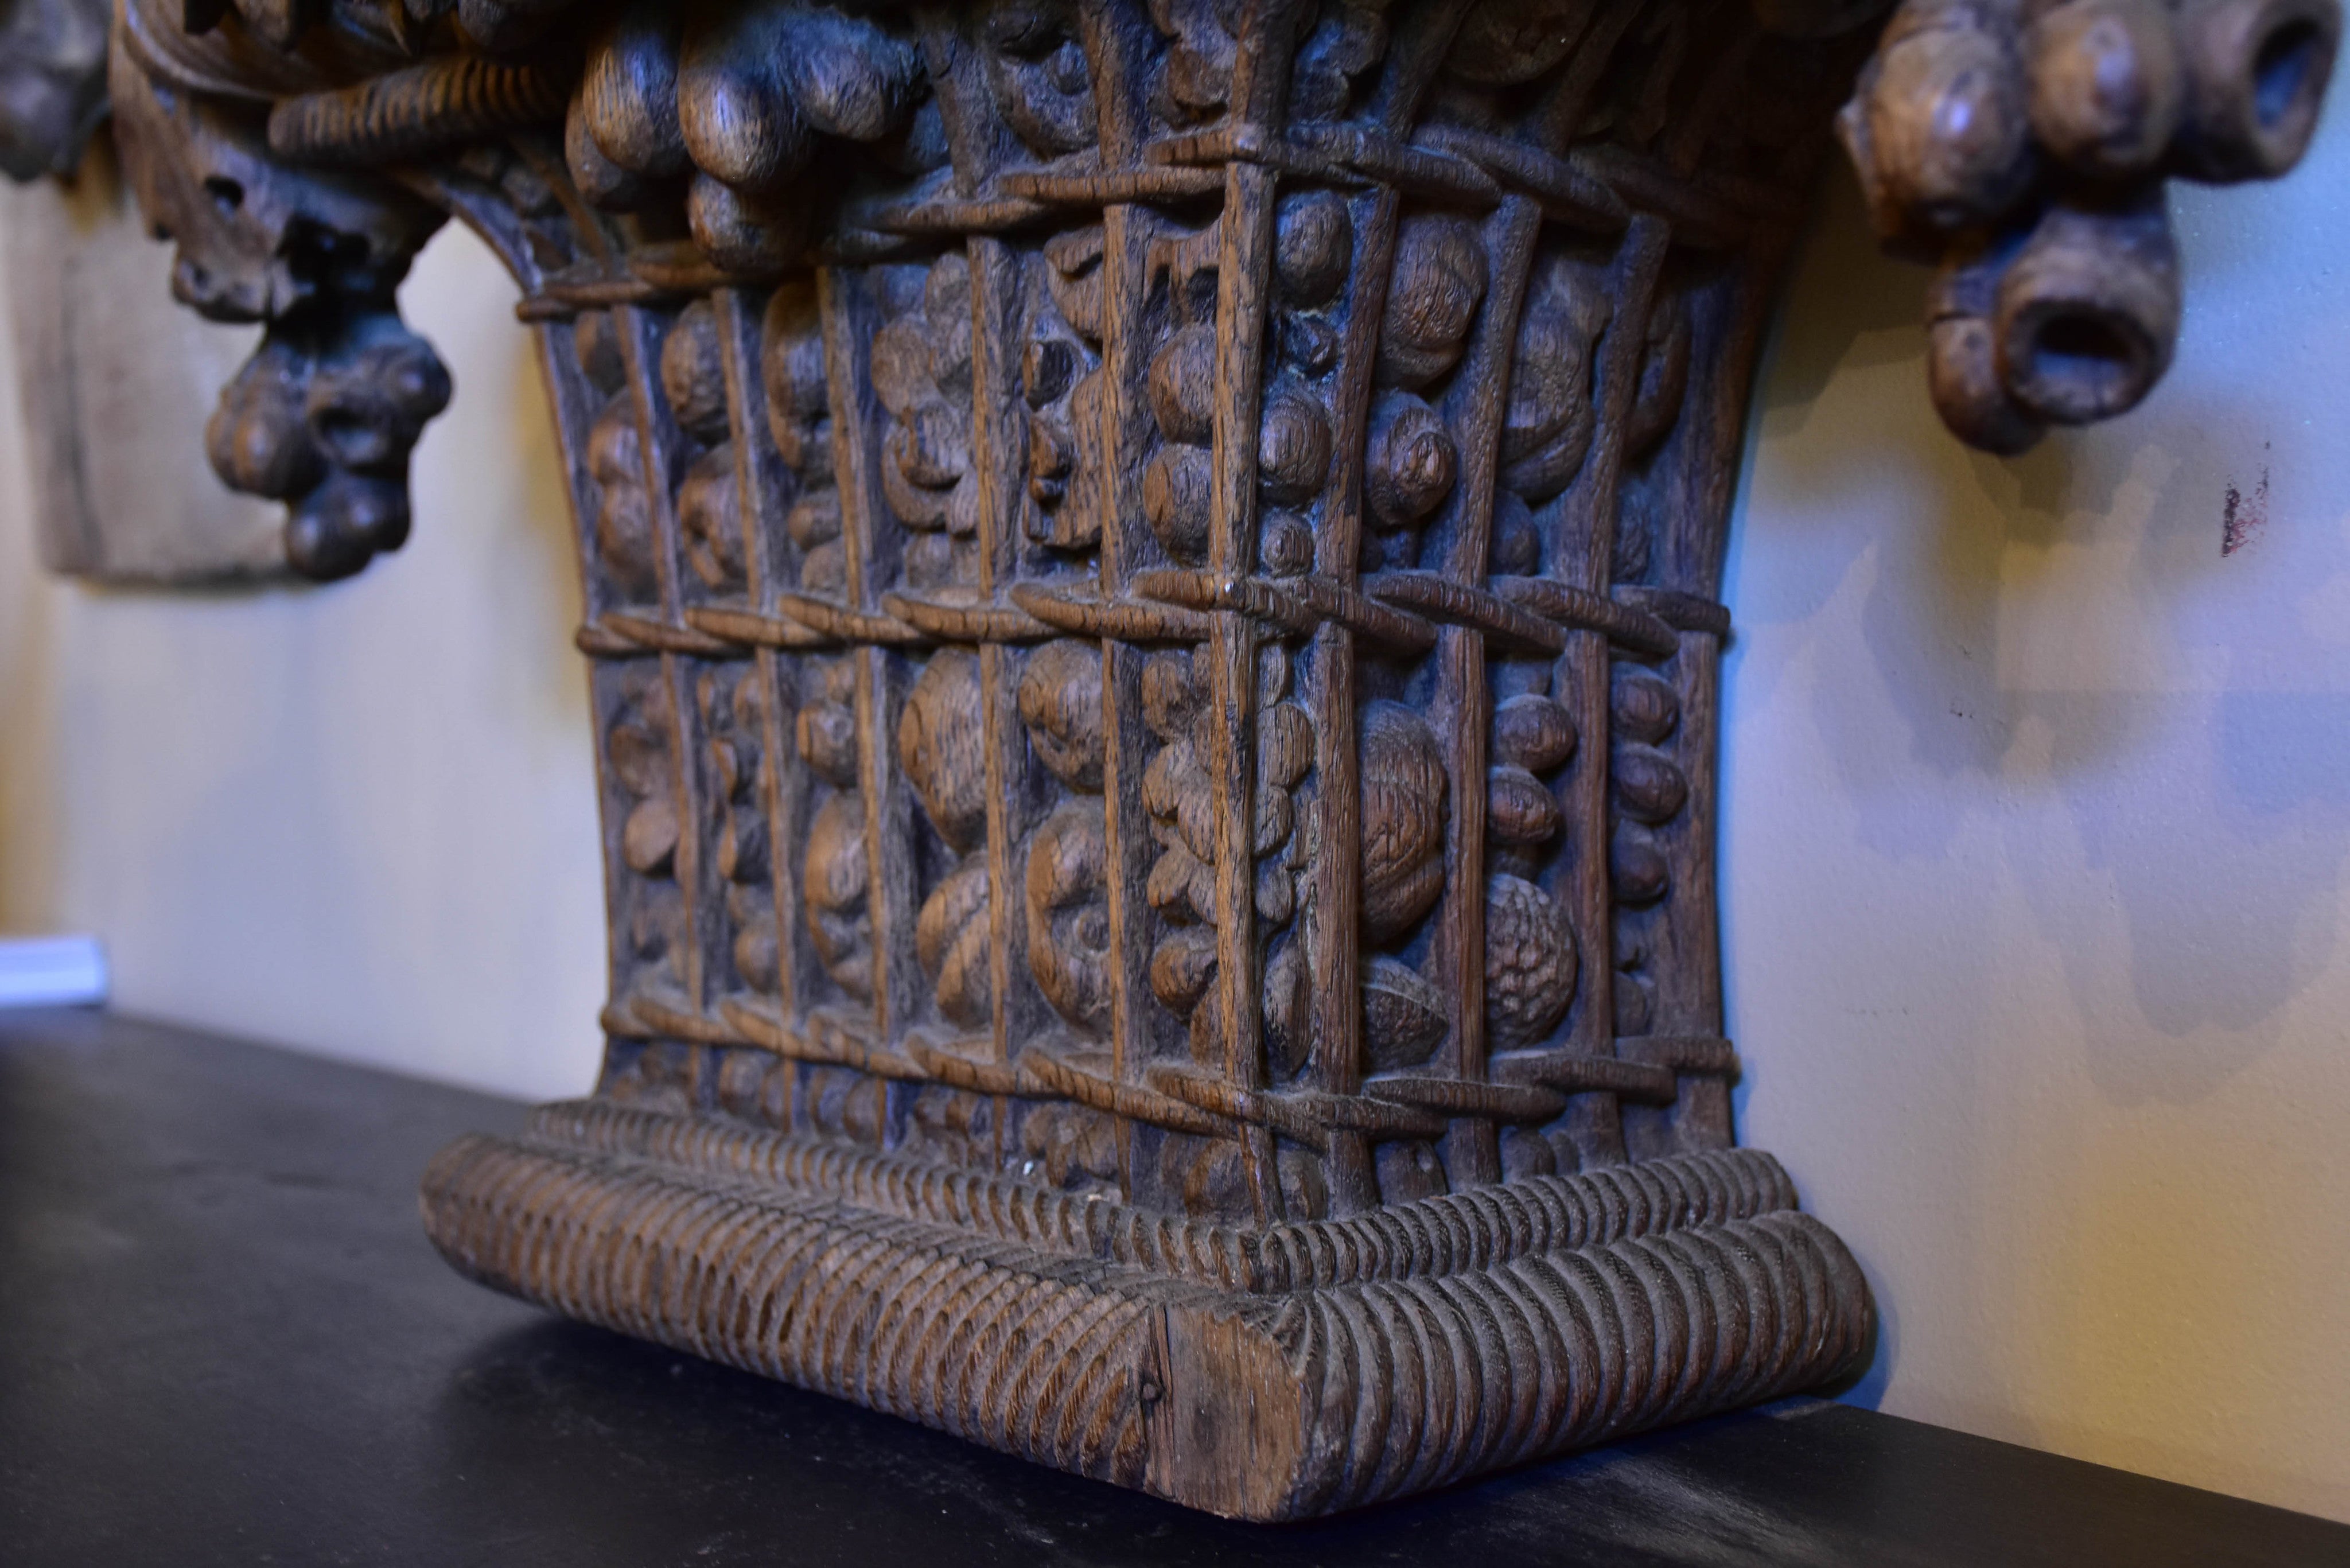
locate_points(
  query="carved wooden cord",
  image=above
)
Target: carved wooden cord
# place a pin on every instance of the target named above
(1152, 606)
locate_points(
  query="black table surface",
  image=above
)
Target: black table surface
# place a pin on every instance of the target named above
(223, 1339)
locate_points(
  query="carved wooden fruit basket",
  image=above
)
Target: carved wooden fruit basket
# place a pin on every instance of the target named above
(1152, 589)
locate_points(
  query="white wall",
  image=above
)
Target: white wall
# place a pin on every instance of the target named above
(358, 818)
(2038, 811)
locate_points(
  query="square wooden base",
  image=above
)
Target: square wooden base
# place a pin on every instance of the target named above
(1267, 1375)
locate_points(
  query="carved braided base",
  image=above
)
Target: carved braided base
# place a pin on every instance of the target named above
(1265, 1375)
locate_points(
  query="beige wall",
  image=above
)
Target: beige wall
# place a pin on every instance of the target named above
(2038, 815)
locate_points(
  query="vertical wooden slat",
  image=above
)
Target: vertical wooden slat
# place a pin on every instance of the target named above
(1582, 551)
(850, 318)
(660, 445)
(1462, 710)
(1112, 32)
(766, 489)
(1331, 920)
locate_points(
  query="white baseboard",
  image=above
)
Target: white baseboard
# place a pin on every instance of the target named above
(51, 971)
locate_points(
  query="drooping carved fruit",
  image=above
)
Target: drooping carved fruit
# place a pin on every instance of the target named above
(1643, 707)
(1404, 805)
(1068, 912)
(1411, 463)
(1531, 963)
(1648, 785)
(1533, 733)
(943, 745)
(1061, 703)
(1441, 273)
(950, 940)
(838, 923)
(1183, 385)
(1519, 810)
(1403, 1016)
(1314, 243)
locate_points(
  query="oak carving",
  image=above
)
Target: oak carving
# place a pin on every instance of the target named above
(1152, 575)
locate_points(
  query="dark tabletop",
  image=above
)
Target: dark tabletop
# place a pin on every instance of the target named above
(224, 1340)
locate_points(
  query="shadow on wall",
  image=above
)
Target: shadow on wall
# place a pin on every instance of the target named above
(2065, 629)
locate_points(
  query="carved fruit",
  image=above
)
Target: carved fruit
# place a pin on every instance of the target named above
(1287, 1025)
(942, 745)
(1519, 808)
(648, 838)
(1182, 966)
(1636, 869)
(1412, 464)
(950, 940)
(709, 517)
(1440, 280)
(1313, 246)
(1502, 42)
(1177, 488)
(1068, 912)
(1647, 786)
(1293, 446)
(628, 94)
(692, 374)
(1170, 694)
(1183, 385)
(1404, 804)
(1533, 733)
(1644, 708)
(1061, 703)
(834, 893)
(1403, 1016)
(1531, 963)
(1285, 746)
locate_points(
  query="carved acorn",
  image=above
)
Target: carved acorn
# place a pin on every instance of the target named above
(950, 940)
(1404, 806)
(1531, 963)
(1441, 273)
(942, 745)
(1068, 912)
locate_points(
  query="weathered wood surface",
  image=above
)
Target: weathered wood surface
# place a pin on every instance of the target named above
(1152, 574)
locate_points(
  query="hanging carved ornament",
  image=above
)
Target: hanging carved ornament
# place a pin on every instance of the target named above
(1152, 575)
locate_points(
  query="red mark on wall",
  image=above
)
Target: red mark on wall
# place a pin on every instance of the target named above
(2242, 517)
